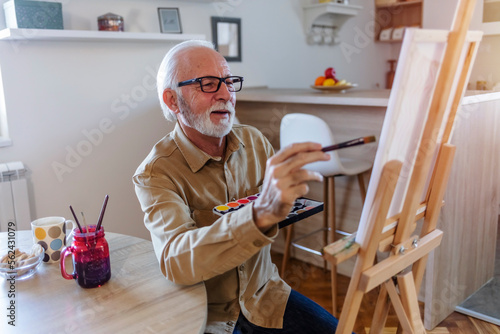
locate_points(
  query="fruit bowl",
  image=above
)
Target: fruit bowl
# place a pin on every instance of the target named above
(330, 83)
(23, 266)
(336, 88)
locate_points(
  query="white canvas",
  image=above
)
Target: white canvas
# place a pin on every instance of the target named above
(416, 76)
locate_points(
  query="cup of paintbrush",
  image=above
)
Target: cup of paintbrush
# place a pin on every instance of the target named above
(91, 262)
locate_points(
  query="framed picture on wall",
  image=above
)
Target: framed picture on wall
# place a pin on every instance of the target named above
(226, 34)
(170, 21)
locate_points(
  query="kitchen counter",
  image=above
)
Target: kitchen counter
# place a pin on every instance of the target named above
(353, 97)
(350, 97)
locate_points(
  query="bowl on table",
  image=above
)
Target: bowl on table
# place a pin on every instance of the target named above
(23, 263)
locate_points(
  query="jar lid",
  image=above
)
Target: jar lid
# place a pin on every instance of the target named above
(110, 16)
(89, 233)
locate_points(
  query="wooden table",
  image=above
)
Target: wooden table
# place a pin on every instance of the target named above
(137, 298)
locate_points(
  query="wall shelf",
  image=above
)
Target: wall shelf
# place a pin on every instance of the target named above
(84, 35)
(328, 15)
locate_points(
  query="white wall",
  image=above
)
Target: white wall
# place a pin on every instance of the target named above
(276, 53)
(57, 94)
(439, 15)
(81, 117)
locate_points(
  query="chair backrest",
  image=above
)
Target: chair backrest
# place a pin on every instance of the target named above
(299, 128)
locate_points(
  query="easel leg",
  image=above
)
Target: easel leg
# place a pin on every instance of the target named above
(354, 297)
(349, 311)
(409, 300)
(381, 312)
(398, 307)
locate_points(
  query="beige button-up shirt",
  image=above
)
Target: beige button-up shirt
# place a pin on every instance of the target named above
(178, 185)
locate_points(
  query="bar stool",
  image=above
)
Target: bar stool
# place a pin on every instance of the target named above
(296, 128)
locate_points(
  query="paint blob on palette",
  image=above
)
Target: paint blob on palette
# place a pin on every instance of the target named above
(302, 208)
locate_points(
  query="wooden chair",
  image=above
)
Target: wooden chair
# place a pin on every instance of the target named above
(298, 127)
(409, 175)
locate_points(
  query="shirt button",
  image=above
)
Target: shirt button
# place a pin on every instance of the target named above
(242, 267)
(258, 243)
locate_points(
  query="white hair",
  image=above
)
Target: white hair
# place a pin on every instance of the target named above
(168, 72)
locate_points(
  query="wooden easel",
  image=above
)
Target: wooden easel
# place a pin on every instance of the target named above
(410, 175)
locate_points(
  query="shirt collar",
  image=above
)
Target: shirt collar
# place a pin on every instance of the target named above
(195, 157)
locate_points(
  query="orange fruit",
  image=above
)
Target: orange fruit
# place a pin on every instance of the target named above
(319, 81)
(329, 82)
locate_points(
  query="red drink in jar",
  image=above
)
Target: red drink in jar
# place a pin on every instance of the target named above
(90, 258)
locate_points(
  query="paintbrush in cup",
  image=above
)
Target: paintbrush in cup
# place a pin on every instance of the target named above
(99, 222)
(86, 227)
(349, 143)
(76, 219)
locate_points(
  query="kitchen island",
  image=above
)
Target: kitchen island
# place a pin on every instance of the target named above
(469, 219)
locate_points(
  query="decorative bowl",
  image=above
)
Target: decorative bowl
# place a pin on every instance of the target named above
(23, 263)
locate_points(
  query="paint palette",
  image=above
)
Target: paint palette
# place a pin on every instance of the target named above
(302, 208)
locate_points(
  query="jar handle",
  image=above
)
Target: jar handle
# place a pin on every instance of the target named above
(65, 252)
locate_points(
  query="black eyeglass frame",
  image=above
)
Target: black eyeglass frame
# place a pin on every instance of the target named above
(221, 80)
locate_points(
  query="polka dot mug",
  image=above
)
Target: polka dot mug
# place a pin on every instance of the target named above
(52, 234)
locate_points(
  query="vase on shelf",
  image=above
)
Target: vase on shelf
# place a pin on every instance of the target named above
(390, 75)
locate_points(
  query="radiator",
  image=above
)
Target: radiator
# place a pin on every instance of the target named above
(14, 201)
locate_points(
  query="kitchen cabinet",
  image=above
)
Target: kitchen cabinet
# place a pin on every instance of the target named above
(396, 14)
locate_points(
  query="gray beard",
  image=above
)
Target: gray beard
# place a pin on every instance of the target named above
(202, 122)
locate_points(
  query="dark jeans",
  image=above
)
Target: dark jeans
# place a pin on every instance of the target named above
(302, 316)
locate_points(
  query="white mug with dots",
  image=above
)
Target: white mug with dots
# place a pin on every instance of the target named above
(52, 234)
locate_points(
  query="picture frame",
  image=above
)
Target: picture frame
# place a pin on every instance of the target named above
(170, 20)
(226, 36)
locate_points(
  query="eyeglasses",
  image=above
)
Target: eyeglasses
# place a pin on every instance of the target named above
(212, 84)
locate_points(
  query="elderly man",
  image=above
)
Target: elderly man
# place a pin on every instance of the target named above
(206, 161)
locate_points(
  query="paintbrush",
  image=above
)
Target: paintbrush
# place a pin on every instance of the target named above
(86, 228)
(99, 221)
(349, 143)
(76, 219)
(85, 223)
